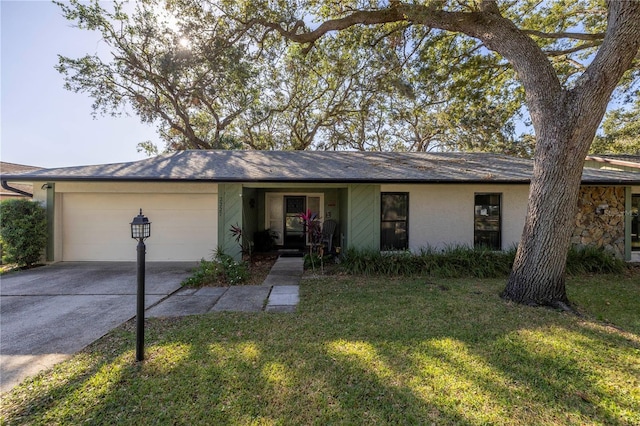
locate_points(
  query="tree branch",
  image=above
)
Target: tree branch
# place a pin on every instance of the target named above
(572, 49)
(561, 35)
(496, 32)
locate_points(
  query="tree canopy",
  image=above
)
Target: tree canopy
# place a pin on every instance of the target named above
(620, 132)
(209, 78)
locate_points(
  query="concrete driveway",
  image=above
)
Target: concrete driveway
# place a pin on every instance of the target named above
(49, 313)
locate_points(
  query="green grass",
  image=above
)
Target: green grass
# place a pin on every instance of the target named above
(363, 350)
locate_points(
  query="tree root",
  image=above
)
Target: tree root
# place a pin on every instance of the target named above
(564, 307)
(560, 305)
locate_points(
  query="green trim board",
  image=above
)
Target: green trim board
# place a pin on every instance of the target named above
(51, 196)
(229, 214)
(364, 216)
(627, 223)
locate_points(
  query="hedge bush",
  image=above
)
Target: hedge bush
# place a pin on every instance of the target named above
(464, 261)
(23, 230)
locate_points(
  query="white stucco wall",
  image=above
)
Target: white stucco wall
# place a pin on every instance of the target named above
(443, 214)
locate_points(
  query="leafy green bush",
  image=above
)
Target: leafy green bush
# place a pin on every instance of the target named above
(454, 261)
(462, 261)
(23, 230)
(222, 270)
(264, 241)
(311, 261)
(234, 272)
(593, 260)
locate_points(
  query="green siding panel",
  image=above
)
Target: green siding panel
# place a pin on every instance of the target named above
(229, 213)
(364, 216)
(627, 223)
(51, 196)
(345, 226)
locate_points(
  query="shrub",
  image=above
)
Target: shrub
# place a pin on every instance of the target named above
(311, 261)
(454, 261)
(222, 270)
(264, 241)
(23, 229)
(463, 261)
(593, 260)
(234, 272)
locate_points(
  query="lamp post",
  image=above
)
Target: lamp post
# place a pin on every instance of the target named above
(140, 230)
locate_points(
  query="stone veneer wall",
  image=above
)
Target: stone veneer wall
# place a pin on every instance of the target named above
(600, 219)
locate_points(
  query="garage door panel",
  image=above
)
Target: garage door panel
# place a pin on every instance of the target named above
(96, 226)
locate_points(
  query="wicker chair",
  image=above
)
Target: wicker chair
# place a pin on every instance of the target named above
(328, 229)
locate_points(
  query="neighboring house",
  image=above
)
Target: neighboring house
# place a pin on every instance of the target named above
(628, 163)
(18, 190)
(620, 162)
(385, 201)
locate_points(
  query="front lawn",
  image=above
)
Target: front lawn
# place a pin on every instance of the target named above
(363, 350)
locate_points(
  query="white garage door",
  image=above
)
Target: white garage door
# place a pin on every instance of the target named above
(96, 226)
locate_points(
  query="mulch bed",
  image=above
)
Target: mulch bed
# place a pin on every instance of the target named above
(261, 264)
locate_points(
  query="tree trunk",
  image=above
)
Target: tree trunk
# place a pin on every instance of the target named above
(538, 273)
(565, 122)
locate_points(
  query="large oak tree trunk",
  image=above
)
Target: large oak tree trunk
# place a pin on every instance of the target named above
(537, 276)
(565, 122)
(563, 140)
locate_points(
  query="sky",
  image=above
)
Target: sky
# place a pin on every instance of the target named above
(41, 123)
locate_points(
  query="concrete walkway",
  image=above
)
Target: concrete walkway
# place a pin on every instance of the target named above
(278, 293)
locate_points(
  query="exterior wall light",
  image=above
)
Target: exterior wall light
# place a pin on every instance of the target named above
(140, 227)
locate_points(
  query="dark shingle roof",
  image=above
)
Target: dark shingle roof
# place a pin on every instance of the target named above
(317, 166)
(625, 160)
(12, 169)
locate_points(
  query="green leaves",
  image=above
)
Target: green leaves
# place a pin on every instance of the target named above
(209, 70)
(23, 231)
(621, 132)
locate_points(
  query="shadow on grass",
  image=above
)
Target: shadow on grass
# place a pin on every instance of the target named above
(358, 351)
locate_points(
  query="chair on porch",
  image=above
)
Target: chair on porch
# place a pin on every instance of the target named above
(328, 229)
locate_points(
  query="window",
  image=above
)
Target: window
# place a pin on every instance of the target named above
(394, 220)
(487, 224)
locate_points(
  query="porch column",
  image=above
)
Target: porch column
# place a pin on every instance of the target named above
(229, 214)
(627, 223)
(364, 216)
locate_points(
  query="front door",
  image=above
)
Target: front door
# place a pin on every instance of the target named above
(294, 232)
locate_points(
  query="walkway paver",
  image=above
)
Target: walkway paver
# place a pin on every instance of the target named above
(192, 300)
(242, 298)
(278, 293)
(283, 298)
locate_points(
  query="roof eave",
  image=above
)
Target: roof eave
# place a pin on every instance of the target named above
(270, 180)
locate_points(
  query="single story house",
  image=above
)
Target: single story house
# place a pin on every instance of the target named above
(621, 162)
(19, 190)
(380, 200)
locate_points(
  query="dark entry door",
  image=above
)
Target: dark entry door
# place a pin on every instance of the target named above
(293, 228)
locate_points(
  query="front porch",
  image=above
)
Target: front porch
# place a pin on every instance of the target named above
(272, 208)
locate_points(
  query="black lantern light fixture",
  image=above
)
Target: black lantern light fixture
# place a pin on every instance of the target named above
(140, 230)
(140, 227)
